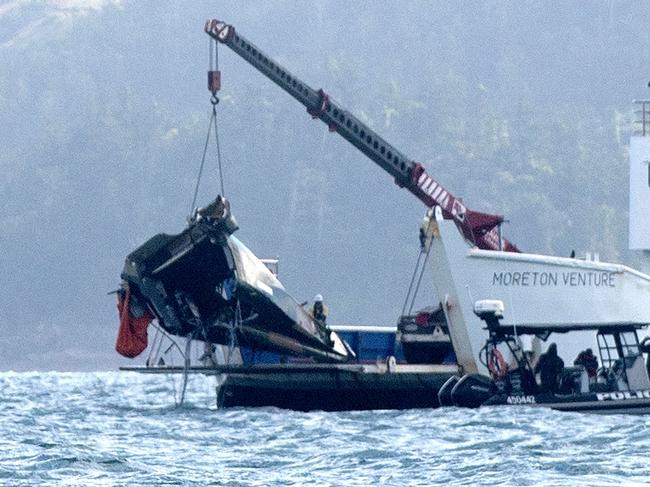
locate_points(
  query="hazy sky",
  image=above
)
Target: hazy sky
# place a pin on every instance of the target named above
(104, 108)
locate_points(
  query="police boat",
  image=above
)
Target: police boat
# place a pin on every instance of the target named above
(620, 385)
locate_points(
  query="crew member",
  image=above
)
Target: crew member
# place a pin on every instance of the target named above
(550, 368)
(319, 311)
(587, 359)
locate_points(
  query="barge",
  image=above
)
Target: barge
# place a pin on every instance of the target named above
(204, 286)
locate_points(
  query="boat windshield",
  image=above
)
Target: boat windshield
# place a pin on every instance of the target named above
(630, 343)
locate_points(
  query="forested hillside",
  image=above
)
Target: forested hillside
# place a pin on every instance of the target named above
(522, 108)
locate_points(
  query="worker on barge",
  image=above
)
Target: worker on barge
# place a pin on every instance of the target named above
(319, 311)
(550, 367)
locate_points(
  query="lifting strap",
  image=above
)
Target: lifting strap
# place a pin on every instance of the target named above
(418, 272)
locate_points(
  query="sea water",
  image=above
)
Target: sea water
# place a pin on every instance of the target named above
(115, 428)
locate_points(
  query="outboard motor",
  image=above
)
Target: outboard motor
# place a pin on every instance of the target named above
(472, 390)
(444, 394)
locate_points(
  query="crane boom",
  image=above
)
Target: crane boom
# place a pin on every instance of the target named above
(481, 229)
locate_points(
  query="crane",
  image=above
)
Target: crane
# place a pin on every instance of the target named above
(480, 229)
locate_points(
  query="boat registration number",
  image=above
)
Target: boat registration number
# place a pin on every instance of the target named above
(521, 400)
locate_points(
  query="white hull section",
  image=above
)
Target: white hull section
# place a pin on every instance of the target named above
(537, 290)
(639, 192)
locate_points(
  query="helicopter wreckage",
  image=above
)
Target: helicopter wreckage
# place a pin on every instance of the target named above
(205, 284)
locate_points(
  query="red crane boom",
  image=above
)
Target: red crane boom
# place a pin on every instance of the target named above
(481, 229)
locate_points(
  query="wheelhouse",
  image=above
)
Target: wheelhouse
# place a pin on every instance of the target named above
(621, 358)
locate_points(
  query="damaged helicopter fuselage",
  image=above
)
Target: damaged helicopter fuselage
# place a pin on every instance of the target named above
(205, 284)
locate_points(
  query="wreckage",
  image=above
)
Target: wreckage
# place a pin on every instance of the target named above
(205, 284)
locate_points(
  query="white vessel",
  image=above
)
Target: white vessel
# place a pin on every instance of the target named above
(639, 237)
(539, 291)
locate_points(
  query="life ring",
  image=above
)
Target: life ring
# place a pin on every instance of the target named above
(497, 364)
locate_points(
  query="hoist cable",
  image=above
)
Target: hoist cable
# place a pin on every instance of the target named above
(213, 120)
(205, 151)
(211, 43)
(216, 54)
(214, 101)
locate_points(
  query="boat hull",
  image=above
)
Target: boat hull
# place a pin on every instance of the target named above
(336, 389)
(326, 387)
(543, 293)
(628, 402)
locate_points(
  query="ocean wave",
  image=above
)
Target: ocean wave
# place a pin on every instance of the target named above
(125, 429)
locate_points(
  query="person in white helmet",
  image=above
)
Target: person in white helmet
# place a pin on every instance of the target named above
(319, 311)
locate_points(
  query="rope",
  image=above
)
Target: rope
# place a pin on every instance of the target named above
(186, 368)
(415, 271)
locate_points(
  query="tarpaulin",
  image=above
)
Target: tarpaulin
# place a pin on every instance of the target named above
(132, 335)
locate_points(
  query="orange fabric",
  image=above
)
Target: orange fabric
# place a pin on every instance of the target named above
(132, 335)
